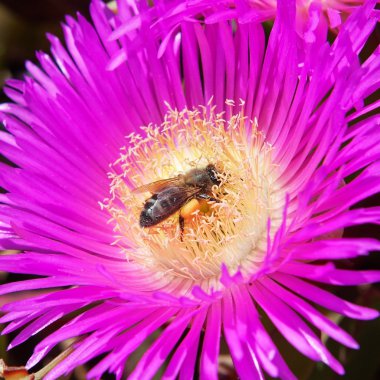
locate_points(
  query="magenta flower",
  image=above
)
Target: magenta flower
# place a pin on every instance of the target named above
(287, 125)
(313, 17)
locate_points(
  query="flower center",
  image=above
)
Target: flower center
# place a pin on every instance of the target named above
(229, 229)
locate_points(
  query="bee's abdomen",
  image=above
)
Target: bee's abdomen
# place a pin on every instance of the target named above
(160, 206)
(146, 220)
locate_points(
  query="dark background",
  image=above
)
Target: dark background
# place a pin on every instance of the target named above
(23, 24)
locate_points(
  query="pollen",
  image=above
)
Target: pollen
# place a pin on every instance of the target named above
(232, 231)
(191, 207)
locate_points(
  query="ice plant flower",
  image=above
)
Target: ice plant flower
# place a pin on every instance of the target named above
(333, 9)
(313, 17)
(289, 131)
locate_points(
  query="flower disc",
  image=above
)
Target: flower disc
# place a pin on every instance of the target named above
(232, 231)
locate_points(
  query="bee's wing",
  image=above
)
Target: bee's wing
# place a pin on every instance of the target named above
(170, 200)
(165, 203)
(178, 195)
(155, 187)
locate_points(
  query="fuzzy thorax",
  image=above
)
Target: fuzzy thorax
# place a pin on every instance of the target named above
(233, 231)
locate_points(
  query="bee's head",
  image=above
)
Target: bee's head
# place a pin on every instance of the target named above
(213, 174)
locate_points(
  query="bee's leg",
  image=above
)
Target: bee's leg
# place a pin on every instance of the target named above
(207, 197)
(181, 221)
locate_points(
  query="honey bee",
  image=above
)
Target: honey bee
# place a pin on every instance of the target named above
(178, 193)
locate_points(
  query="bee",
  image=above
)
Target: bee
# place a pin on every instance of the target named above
(179, 193)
